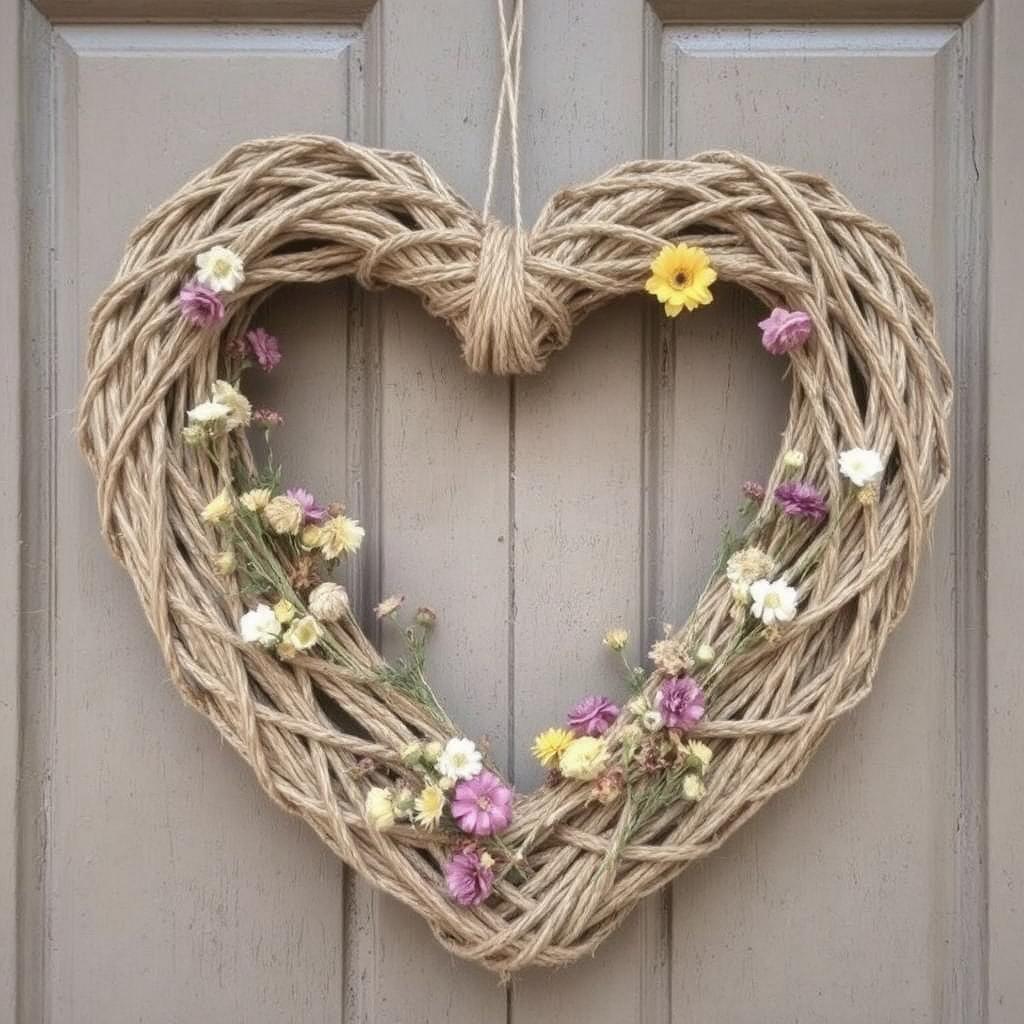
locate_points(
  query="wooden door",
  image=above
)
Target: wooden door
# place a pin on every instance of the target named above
(149, 878)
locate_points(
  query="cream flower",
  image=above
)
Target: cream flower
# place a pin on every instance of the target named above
(304, 633)
(794, 459)
(389, 606)
(652, 720)
(328, 602)
(430, 806)
(255, 500)
(460, 759)
(219, 509)
(380, 808)
(194, 434)
(861, 466)
(773, 601)
(705, 654)
(239, 407)
(225, 563)
(699, 752)
(432, 751)
(285, 611)
(747, 565)
(585, 758)
(220, 269)
(693, 787)
(616, 639)
(283, 514)
(669, 656)
(260, 626)
(340, 535)
(209, 413)
(310, 536)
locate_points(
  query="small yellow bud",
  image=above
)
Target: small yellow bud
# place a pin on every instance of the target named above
(616, 639)
(284, 611)
(218, 509)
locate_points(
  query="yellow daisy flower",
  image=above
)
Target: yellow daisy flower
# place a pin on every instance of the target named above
(430, 806)
(681, 278)
(550, 744)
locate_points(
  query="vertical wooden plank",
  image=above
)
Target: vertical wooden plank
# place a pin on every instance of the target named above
(867, 836)
(1005, 643)
(176, 891)
(443, 479)
(578, 471)
(10, 493)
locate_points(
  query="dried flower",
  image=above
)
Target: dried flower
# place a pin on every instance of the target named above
(303, 574)
(460, 759)
(220, 269)
(773, 601)
(693, 787)
(585, 758)
(705, 654)
(616, 639)
(219, 509)
(669, 656)
(239, 407)
(340, 535)
(311, 511)
(867, 496)
(609, 786)
(861, 466)
(310, 537)
(225, 563)
(697, 754)
(285, 611)
(652, 720)
(749, 564)
(469, 879)
(199, 305)
(260, 626)
(681, 278)
(255, 500)
(801, 501)
(482, 806)
(267, 418)
(549, 746)
(304, 633)
(283, 515)
(426, 617)
(263, 347)
(389, 606)
(794, 459)
(194, 434)
(753, 491)
(430, 806)
(592, 716)
(785, 330)
(432, 751)
(380, 808)
(328, 602)
(681, 702)
(209, 414)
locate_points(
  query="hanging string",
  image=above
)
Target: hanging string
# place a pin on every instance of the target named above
(508, 103)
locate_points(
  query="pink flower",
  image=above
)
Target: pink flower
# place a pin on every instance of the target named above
(311, 511)
(263, 347)
(681, 702)
(469, 880)
(482, 805)
(200, 306)
(267, 418)
(801, 501)
(785, 330)
(753, 490)
(592, 716)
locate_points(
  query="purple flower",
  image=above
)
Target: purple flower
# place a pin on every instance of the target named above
(801, 501)
(311, 511)
(785, 330)
(592, 716)
(469, 880)
(200, 306)
(681, 702)
(482, 805)
(267, 418)
(753, 490)
(263, 347)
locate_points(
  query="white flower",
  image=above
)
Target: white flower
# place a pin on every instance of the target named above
(260, 626)
(380, 808)
(774, 601)
(304, 633)
(238, 406)
(705, 654)
(460, 759)
(328, 602)
(793, 459)
(652, 720)
(209, 413)
(861, 466)
(220, 269)
(693, 788)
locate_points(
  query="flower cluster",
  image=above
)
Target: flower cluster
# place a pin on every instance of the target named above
(218, 270)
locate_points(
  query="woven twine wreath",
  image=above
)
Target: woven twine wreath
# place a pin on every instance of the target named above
(312, 209)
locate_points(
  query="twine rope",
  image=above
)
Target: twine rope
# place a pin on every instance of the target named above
(313, 209)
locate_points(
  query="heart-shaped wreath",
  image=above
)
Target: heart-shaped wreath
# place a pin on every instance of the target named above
(232, 570)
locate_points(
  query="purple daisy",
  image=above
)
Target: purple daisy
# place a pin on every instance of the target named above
(311, 511)
(200, 306)
(592, 716)
(801, 501)
(681, 702)
(482, 806)
(469, 880)
(264, 348)
(785, 330)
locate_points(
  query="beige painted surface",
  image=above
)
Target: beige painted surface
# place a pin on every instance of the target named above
(151, 880)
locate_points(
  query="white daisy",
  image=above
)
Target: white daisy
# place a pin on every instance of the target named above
(220, 269)
(260, 626)
(861, 466)
(773, 601)
(460, 759)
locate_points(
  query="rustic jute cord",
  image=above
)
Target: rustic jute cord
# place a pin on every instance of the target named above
(314, 209)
